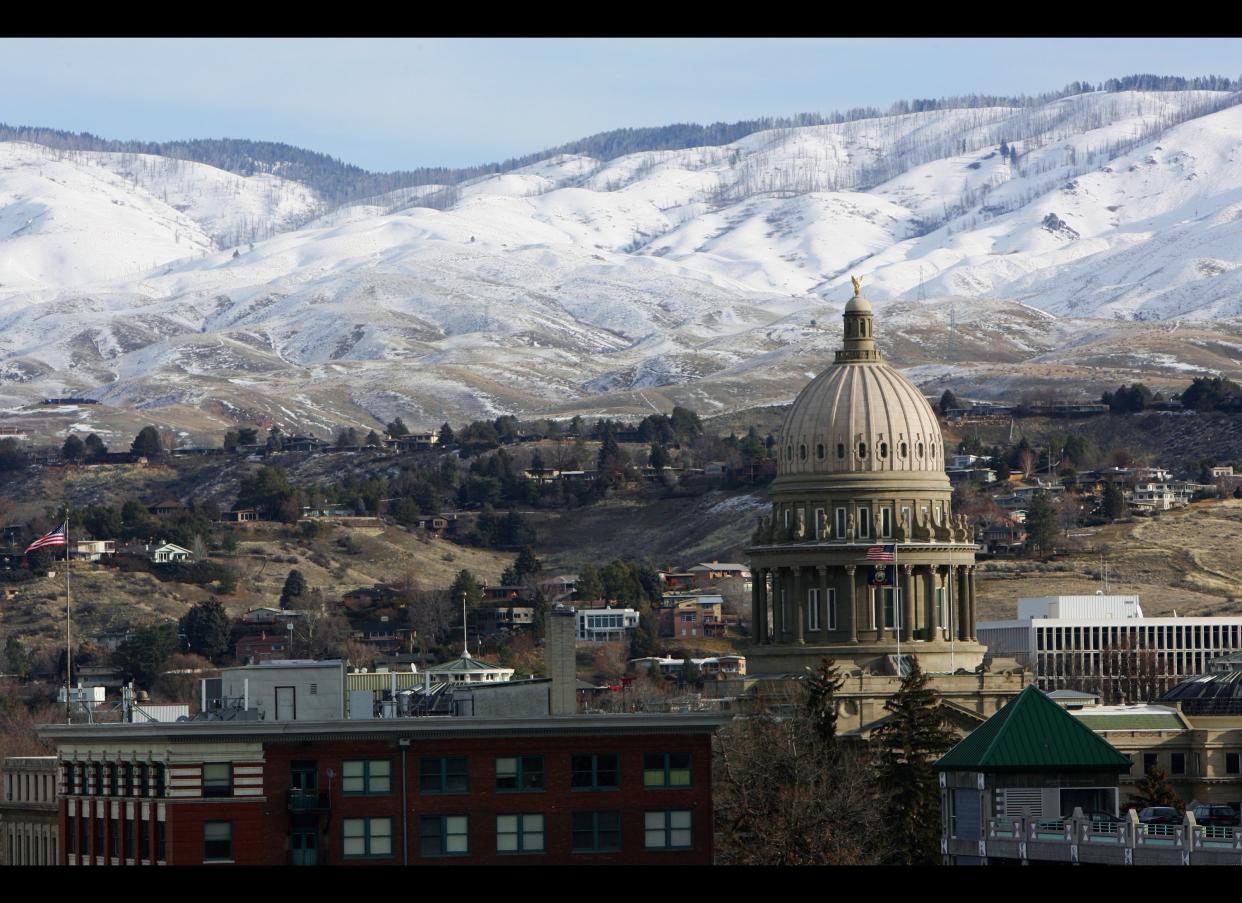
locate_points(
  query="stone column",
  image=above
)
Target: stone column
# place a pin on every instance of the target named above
(756, 636)
(963, 602)
(778, 610)
(799, 613)
(823, 603)
(877, 606)
(929, 595)
(970, 614)
(907, 602)
(850, 603)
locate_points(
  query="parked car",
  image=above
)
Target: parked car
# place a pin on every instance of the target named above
(1108, 817)
(1160, 815)
(1219, 816)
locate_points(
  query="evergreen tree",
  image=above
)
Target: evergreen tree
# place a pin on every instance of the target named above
(465, 584)
(147, 442)
(821, 700)
(948, 401)
(643, 640)
(526, 563)
(397, 428)
(659, 458)
(446, 436)
(95, 448)
(1154, 789)
(73, 450)
(907, 745)
(1041, 526)
(373, 439)
(295, 587)
(691, 673)
(1114, 501)
(142, 655)
(17, 656)
(609, 462)
(206, 628)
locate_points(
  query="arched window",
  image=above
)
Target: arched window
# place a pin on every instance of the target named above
(920, 449)
(819, 451)
(883, 449)
(862, 449)
(840, 449)
(801, 452)
(905, 450)
(789, 453)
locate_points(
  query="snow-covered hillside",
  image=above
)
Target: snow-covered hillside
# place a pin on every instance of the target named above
(714, 272)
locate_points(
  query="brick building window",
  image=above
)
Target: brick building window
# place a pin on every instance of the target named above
(131, 846)
(217, 841)
(71, 834)
(519, 833)
(160, 844)
(114, 778)
(445, 835)
(367, 837)
(129, 777)
(519, 773)
(144, 840)
(444, 775)
(667, 830)
(97, 842)
(218, 779)
(366, 776)
(595, 832)
(160, 770)
(114, 837)
(598, 771)
(666, 769)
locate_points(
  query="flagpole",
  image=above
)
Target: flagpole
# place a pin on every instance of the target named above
(898, 604)
(68, 637)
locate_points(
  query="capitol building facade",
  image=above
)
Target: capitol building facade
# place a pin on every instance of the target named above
(862, 559)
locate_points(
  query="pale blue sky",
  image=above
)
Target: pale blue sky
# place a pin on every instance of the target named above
(401, 103)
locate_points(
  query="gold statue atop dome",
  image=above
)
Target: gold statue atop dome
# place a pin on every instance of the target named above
(857, 280)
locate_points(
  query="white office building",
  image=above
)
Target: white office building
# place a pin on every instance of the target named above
(1104, 644)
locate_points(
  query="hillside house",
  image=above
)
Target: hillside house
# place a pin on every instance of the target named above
(1159, 497)
(238, 516)
(383, 634)
(700, 617)
(167, 508)
(491, 619)
(170, 552)
(606, 625)
(262, 647)
(94, 549)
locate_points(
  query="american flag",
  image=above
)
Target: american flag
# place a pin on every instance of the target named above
(55, 538)
(882, 553)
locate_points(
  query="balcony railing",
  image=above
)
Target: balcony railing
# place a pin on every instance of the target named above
(1081, 839)
(308, 801)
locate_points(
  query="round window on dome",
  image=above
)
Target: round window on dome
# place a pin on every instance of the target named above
(801, 452)
(920, 449)
(862, 449)
(883, 449)
(819, 451)
(840, 449)
(905, 450)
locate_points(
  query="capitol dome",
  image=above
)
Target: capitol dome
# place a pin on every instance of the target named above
(860, 415)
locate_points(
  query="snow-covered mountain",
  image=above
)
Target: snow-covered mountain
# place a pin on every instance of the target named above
(711, 276)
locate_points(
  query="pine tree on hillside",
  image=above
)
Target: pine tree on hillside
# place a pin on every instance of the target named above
(295, 587)
(908, 745)
(1114, 501)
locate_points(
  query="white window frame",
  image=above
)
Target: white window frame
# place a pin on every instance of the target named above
(842, 518)
(788, 517)
(864, 522)
(886, 522)
(832, 608)
(891, 594)
(942, 614)
(812, 608)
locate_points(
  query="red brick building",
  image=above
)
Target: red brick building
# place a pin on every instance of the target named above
(617, 789)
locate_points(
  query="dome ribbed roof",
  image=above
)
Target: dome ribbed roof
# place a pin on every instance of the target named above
(1218, 692)
(860, 415)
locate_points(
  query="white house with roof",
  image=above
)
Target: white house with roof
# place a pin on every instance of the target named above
(170, 552)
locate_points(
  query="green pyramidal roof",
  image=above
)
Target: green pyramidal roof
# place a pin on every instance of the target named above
(1033, 733)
